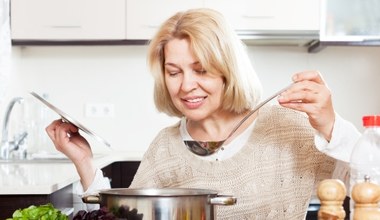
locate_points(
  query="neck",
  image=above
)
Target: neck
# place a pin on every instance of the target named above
(218, 128)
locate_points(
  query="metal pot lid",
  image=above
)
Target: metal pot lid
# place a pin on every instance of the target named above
(154, 192)
(67, 118)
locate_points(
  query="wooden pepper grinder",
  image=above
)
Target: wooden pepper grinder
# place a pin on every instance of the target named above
(366, 196)
(331, 193)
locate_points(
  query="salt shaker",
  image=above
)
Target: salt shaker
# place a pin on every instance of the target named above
(331, 193)
(366, 196)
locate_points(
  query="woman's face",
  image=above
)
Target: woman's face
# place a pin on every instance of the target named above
(194, 91)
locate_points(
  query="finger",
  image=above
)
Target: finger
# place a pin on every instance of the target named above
(312, 75)
(60, 134)
(304, 91)
(50, 129)
(300, 106)
(301, 97)
(64, 130)
(306, 85)
(53, 124)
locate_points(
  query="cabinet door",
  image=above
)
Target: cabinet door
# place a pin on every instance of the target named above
(67, 19)
(287, 15)
(145, 16)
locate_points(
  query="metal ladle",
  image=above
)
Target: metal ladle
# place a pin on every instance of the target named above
(206, 148)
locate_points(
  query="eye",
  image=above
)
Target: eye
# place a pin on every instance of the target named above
(201, 71)
(172, 72)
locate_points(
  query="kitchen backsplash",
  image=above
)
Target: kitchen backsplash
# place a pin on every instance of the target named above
(75, 77)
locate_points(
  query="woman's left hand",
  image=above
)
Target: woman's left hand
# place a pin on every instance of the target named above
(310, 94)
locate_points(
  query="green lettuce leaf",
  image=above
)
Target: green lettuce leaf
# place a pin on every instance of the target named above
(42, 212)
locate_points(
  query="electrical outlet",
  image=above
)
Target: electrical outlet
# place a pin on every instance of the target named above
(99, 110)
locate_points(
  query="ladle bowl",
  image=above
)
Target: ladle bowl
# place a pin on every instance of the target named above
(206, 148)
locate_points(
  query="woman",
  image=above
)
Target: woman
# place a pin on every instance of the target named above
(203, 76)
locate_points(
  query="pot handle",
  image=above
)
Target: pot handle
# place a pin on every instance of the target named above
(91, 199)
(223, 200)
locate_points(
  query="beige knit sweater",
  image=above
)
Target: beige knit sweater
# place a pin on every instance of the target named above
(273, 176)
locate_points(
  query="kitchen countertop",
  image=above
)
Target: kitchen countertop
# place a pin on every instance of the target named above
(48, 177)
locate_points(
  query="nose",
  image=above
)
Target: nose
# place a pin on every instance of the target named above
(189, 81)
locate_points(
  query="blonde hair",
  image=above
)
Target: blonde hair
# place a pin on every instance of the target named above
(217, 48)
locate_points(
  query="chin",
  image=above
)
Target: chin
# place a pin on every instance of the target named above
(195, 116)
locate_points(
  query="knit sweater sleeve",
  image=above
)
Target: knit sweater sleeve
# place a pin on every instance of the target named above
(147, 175)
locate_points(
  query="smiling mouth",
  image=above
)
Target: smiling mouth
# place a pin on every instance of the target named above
(194, 103)
(194, 100)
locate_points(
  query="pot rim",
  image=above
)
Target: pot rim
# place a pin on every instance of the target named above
(158, 192)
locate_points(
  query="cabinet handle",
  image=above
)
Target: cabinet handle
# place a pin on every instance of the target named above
(65, 26)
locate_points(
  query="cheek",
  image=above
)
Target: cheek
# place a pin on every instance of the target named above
(171, 86)
(218, 90)
(216, 87)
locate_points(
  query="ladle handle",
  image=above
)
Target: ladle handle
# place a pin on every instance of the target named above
(257, 108)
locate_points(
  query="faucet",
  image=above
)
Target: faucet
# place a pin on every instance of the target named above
(7, 146)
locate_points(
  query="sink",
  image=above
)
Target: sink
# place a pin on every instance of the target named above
(39, 160)
(41, 157)
(42, 160)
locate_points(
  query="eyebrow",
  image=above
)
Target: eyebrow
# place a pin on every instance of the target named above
(174, 65)
(171, 64)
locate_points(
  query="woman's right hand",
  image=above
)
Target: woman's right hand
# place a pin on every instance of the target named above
(66, 139)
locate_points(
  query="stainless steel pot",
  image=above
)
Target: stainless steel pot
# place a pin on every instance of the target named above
(162, 204)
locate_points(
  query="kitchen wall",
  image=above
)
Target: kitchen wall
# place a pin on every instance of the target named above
(73, 76)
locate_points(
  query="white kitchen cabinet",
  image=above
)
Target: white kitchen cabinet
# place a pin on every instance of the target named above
(145, 16)
(92, 20)
(298, 18)
(68, 19)
(269, 15)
